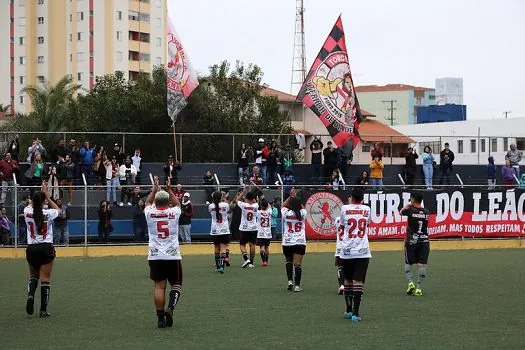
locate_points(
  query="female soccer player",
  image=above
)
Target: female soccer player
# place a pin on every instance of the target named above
(294, 239)
(219, 211)
(40, 252)
(264, 230)
(338, 262)
(248, 227)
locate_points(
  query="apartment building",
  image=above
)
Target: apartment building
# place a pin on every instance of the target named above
(48, 39)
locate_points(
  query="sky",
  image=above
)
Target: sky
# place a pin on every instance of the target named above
(402, 41)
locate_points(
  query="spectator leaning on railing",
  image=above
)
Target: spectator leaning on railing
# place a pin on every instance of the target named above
(515, 156)
(8, 167)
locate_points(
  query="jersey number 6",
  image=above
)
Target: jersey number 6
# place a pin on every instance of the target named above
(163, 229)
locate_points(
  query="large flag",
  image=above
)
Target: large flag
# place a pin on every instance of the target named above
(182, 79)
(328, 91)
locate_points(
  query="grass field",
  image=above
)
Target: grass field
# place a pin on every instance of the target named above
(473, 299)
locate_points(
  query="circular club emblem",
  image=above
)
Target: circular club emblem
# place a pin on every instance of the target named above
(323, 208)
(334, 91)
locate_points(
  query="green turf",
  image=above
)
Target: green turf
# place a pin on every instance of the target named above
(473, 299)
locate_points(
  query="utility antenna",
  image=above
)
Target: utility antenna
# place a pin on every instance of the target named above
(299, 54)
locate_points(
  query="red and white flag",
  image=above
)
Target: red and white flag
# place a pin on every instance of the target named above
(182, 79)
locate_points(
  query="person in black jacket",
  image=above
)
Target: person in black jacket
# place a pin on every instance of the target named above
(331, 159)
(316, 147)
(410, 166)
(14, 148)
(244, 159)
(445, 165)
(60, 227)
(171, 169)
(209, 182)
(140, 225)
(363, 180)
(104, 222)
(271, 162)
(185, 218)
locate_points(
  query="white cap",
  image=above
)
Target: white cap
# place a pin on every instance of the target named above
(261, 140)
(186, 194)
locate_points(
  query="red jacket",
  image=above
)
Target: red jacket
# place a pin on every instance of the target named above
(7, 169)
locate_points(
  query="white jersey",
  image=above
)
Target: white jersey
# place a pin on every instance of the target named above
(248, 220)
(294, 232)
(46, 236)
(354, 242)
(163, 230)
(264, 223)
(219, 225)
(338, 236)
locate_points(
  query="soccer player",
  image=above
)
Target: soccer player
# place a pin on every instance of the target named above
(162, 216)
(355, 251)
(264, 230)
(220, 231)
(40, 252)
(248, 227)
(338, 262)
(294, 240)
(417, 246)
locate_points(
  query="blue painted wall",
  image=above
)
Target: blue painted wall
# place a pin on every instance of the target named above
(442, 113)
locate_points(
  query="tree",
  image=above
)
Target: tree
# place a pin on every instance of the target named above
(4, 109)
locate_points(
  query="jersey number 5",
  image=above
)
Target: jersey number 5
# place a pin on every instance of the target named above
(163, 229)
(359, 224)
(32, 230)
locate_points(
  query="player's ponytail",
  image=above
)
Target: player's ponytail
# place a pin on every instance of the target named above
(296, 206)
(38, 206)
(264, 204)
(217, 197)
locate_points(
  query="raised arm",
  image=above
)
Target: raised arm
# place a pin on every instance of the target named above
(154, 190)
(173, 198)
(50, 201)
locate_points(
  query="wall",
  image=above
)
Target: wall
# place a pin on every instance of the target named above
(372, 102)
(441, 113)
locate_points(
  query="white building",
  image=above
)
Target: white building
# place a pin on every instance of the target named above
(472, 141)
(449, 91)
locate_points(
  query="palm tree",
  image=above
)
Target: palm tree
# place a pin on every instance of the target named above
(52, 104)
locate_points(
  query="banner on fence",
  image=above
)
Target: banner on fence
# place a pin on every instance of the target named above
(465, 212)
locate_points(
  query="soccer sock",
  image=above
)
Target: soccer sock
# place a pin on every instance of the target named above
(340, 278)
(161, 314)
(289, 270)
(44, 295)
(422, 274)
(252, 258)
(174, 296)
(221, 261)
(227, 253)
(408, 273)
(262, 256)
(298, 273)
(266, 256)
(31, 287)
(217, 260)
(245, 256)
(358, 293)
(348, 297)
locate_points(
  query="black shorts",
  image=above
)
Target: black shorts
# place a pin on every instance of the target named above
(221, 239)
(161, 270)
(338, 261)
(290, 250)
(247, 237)
(263, 242)
(40, 254)
(417, 253)
(355, 269)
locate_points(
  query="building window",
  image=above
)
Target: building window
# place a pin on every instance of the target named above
(460, 146)
(80, 16)
(133, 15)
(40, 59)
(158, 3)
(22, 60)
(520, 143)
(435, 146)
(79, 36)
(472, 146)
(119, 35)
(40, 20)
(70, 18)
(70, 37)
(21, 3)
(21, 21)
(40, 39)
(21, 99)
(159, 61)
(22, 80)
(70, 57)
(159, 42)
(159, 22)
(144, 57)
(119, 56)
(79, 76)
(144, 17)
(483, 146)
(365, 148)
(41, 2)
(119, 15)
(80, 56)
(432, 97)
(40, 79)
(505, 143)
(21, 40)
(493, 145)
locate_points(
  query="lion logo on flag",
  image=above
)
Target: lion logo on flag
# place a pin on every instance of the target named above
(177, 68)
(335, 91)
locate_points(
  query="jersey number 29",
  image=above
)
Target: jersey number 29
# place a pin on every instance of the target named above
(359, 224)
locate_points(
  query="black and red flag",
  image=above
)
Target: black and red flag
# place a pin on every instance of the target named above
(328, 91)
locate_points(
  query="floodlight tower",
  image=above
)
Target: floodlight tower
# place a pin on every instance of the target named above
(299, 54)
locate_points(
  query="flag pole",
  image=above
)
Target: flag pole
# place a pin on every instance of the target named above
(175, 143)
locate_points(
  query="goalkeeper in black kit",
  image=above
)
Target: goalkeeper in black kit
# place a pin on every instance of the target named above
(417, 246)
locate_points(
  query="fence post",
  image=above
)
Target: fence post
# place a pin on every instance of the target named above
(459, 179)
(391, 151)
(217, 181)
(233, 149)
(124, 141)
(15, 204)
(85, 213)
(402, 180)
(180, 148)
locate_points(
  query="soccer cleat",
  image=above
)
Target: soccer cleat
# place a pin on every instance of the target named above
(245, 264)
(30, 306)
(44, 314)
(356, 318)
(348, 315)
(227, 262)
(297, 289)
(411, 288)
(251, 266)
(161, 323)
(220, 270)
(264, 263)
(418, 292)
(341, 290)
(290, 285)
(169, 318)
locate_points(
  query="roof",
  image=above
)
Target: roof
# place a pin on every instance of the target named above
(390, 87)
(374, 131)
(281, 96)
